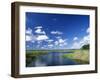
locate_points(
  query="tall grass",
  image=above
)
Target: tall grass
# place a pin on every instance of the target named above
(80, 56)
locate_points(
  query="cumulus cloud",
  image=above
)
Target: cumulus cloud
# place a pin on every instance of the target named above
(41, 37)
(75, 45)
(38, 27)
(28, 37)
(58, 37)
(85, 40)
(39, 31)
(61, 42)
(65, 43)
(28, 34)
(31, 38)
(50, 45)
(49, 40)
(29, 31)
(42, 47)
(40, 34)
(75, 38)
(56, 32)
(56, 42)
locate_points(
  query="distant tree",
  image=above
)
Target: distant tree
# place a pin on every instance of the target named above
(85, 46)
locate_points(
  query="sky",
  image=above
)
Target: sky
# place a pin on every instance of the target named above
(56, 31)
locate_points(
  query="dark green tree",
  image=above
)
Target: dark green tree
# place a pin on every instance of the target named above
(85, 46)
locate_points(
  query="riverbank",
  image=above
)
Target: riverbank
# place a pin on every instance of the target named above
(67, 57)
(80, 56)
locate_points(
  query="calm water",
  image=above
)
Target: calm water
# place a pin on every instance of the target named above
(51, 59)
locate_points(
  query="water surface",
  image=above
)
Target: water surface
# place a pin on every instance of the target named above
(51, 59)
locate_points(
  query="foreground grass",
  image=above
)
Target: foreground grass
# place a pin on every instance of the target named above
(80, 56)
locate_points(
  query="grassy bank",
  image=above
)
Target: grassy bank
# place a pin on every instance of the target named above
(35, 53)
(80, 56)
(31, 53)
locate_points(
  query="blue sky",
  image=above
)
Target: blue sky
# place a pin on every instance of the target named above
(56, 31)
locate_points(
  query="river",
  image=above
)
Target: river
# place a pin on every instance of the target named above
(52, 59)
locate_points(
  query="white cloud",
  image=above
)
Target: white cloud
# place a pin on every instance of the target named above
(76, 45)
(75, 38)
(41, 34)
(50, 45)
(88, 30)
(56, 32)
(49, 40)
(39, 31)
(38, 27)
(41, 37)
(65, 43)
(58, 37)
(28, 37)
(85, 40)
(60, 45)
(61, 41)
(32, 41)
(29, 31)
(31, 38)
(56, 42)
(42, 47)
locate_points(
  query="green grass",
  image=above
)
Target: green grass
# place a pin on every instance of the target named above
(80, 56)
(30, 53)
(35, 53)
